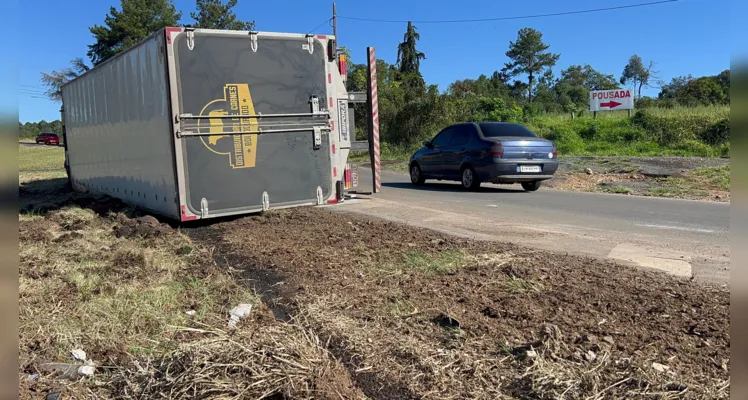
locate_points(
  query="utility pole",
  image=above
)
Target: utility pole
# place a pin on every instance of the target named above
(335, 21)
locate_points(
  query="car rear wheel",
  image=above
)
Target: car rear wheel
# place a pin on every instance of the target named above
(469, 178)
(531, 186)
(416, 175)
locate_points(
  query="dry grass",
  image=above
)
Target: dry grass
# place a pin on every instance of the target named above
(280, 358)
(124, 301)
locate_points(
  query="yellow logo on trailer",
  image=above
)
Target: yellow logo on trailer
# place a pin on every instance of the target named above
(241, 148)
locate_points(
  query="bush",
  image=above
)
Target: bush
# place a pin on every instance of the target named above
(567, 141)
(674, 127)
(718, 133)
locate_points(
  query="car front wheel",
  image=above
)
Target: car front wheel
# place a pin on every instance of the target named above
(531, 186)
(416, 175)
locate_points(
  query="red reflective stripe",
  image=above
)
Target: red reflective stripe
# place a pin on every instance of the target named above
(169, 30)
(185, 217)
(329, 78)
(333, 149)
(330, 102)
(335, 171)
(321, 37)
(332, 125)
(332, 201)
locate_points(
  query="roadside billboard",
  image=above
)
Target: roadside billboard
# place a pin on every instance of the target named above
(608, 100)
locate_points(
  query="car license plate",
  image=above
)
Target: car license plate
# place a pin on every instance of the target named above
(529, 168)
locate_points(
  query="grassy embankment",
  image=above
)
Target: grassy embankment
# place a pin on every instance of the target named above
(687, 132)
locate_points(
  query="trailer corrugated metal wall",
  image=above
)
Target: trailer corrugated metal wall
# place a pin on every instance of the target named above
(118, 129)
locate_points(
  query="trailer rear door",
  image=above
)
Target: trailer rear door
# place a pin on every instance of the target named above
(223, 79)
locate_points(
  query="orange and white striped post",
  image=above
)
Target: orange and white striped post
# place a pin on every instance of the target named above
(373, 102)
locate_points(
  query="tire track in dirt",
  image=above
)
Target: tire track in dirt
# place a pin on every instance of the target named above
(279, 298)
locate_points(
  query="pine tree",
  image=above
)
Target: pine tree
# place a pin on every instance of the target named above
(528, 55)
(214, 14)
(124, 28)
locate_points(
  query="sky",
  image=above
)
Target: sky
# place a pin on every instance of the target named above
(684, 37)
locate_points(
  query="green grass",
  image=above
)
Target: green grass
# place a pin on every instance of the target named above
(619, 190)
(32, 158)
(714, 177)
(697, 183)
(677, 187)
(426, 263)
(517, 285)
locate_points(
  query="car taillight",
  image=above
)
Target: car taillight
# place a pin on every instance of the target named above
(497, 150)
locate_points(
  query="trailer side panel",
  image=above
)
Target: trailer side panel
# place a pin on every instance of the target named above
(118, 129)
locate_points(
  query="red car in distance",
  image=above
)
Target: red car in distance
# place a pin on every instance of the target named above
(48, 138)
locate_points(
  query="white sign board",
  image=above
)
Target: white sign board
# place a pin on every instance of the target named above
(607, 100)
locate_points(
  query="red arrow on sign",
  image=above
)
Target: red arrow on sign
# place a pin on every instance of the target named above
(611, 104)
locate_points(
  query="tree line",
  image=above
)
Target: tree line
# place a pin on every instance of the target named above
(30, 130)
(411, 109)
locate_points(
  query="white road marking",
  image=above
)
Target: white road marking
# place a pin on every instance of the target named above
(678, 228)
(492, 205)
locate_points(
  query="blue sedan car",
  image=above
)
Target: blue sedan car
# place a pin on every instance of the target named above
(496, 152)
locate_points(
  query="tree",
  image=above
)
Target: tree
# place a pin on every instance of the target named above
(408, 57)
(123, 29)
(409, 64)
(214, 14)
(573, 88)
(702, 91)
(636, 74)
(528, 55)
(56, 79)
(588, 77)
(670, 90)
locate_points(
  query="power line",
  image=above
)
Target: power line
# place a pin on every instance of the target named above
(37, 93)
(32, 90)
(34, 96)
(320, 25)
(454, 21)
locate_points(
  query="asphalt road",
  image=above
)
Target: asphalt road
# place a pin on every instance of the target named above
(681, 237)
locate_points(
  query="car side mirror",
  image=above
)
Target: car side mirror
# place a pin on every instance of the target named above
(428, 144)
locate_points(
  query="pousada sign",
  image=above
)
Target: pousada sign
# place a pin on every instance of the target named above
(616, 99)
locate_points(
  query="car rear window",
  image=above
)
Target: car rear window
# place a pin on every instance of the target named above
(505, 130)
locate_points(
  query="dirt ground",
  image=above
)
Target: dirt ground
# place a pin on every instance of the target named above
(416, 314)
(677, 177)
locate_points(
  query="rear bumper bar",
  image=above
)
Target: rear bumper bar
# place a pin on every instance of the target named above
(507, 171)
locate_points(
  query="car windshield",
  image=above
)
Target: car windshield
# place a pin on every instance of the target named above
(505, 130)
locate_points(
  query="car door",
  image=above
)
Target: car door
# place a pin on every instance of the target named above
(454, 154)
(432, 161)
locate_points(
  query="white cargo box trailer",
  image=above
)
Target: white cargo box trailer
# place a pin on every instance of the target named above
(195, 123)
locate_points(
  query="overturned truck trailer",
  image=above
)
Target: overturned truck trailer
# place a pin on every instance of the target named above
(197, 123)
